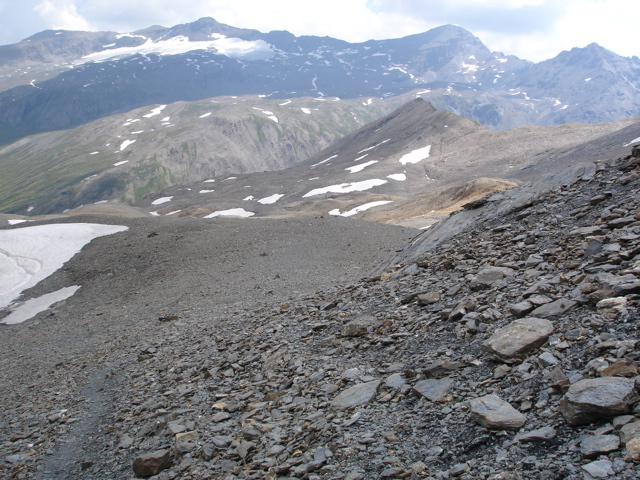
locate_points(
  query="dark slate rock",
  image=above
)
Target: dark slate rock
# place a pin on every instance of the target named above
(360, 394)
(492, 412)
(152, 463)
(591, 399)
(516, 340)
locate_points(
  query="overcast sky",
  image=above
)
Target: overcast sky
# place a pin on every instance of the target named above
(531, 29)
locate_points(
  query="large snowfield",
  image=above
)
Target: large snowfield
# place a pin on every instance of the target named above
(30, 254)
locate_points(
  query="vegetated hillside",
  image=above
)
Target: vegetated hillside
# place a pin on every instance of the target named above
(501, 344)
(127, 156)
(113, 73)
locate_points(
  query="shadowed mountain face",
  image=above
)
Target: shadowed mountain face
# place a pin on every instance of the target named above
(58, 79)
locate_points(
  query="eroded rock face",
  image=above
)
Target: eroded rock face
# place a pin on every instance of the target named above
(597, 398)
(492, 412)
(513, 342)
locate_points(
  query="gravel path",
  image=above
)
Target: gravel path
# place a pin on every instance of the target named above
(59, 370)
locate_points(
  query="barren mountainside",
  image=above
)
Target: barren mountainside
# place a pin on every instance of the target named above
(57, 79)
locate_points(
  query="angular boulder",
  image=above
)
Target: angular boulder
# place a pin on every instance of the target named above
(513, 342)
(433, 389)
(186, 442)
(152, 463)
(492, 412)
(594, 398)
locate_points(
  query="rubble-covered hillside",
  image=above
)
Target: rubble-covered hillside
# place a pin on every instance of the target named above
(508, 351)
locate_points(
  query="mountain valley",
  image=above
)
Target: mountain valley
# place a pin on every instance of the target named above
(229, 254)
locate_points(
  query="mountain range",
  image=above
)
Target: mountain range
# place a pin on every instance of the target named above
(60, 79)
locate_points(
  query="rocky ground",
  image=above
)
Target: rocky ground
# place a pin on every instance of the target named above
(508, 351)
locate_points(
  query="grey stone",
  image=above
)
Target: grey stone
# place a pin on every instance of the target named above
(360, 394)
(152, 463)
(629, 431)
(489, 276)
(186, 442)
(492, 412)
(599, 469)
(610, 285)
(428, 298)
(521, 309)
(592, 230)
(595, 445)
(395, 381)
(354, 329)
(554, 309)
(594, 398)
(516, 340)
(433, 389)
(544, 434)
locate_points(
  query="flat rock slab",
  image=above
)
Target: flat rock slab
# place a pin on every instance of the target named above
(433, 389)
(492, 412)
(599, 444)
(599, 469)
(360, 394)
(544, 434)
(595, 398)
(554, 309)
(516, 340)
(489, 276)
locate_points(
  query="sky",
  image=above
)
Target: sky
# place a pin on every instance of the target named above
(530, 29)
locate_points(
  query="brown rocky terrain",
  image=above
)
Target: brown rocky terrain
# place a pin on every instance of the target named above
(502, 343)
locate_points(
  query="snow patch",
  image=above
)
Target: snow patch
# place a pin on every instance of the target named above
(399, 177)
(161, 200)
(126, 143)
(31, 308)
(416, 155)
(271, 199)
(30, 254)
(232, 212)
(206, 191)
(635, 140)
(362, 166)
(155, 111)
(347, 187)
(205, 115)
(324, 161)
(220, 44)
(120, 163)
(359, 209)
(269, 114)
(377, 145)
(306, 110)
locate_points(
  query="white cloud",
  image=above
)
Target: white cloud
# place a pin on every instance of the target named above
(61, 14)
